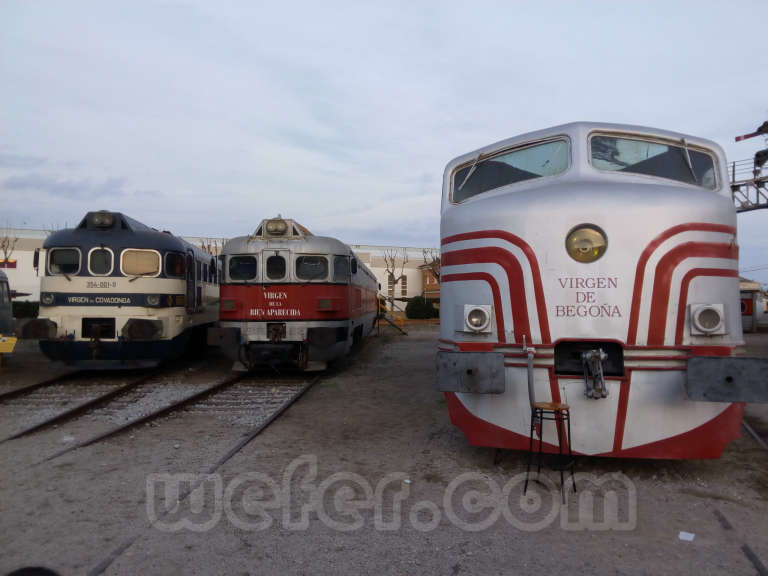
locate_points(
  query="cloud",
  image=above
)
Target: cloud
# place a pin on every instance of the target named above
(65, 188)
(342, 115)
(8, 160)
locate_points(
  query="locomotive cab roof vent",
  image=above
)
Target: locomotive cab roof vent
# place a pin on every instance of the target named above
(280, 227)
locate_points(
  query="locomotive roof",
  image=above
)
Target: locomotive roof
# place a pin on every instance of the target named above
(124, 232)
(3, 275)
(309, 244)
(582, 129)
(578, 133)
(284, 233)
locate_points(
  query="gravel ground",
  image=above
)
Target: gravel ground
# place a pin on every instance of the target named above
(373, 431)
(247, 404)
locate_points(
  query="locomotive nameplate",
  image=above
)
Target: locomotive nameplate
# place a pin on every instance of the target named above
(113, 299)
(273, 305)
(587, 297)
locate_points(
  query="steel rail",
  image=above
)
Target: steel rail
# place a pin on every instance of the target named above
(32, 387)
(102, 566)
(82, 408)
(196, 397)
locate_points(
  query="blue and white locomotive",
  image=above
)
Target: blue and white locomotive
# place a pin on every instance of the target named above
(116, 293)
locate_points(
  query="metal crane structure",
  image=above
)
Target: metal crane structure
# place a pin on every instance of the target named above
(748, 179)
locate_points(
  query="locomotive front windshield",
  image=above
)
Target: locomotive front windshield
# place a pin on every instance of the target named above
(311, 267)
(340, 269)
(100, 262)
(275, 267)
(174, 265)
(64, 261)
(527, 163)
(141, 262)
(652, 158)
(242, 267)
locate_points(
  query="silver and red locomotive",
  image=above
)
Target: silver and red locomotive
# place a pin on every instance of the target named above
(289, 297)
(601, 262)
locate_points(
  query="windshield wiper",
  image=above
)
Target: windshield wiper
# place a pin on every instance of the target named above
(317, 276)
(471, 171)
(688, 161)
(140, 275)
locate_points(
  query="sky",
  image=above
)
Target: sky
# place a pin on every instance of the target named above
(205, 117)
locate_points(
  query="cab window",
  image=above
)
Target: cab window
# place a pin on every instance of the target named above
(141, 263)
(652, 158)
(5, 297)
(524, 163)
(100, 261)
(242, 268)
(275, 267)
(311, 267)
(340, 269)
(174, 265)
(64, 261)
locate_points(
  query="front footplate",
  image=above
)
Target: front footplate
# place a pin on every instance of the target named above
(727, 379)
(470, 372)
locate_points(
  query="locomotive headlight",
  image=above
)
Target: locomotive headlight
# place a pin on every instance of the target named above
(277, 227)
(102, 219)
(707, 319)
(586, 243)
(46, 299)
(477, 318)
(153, 299)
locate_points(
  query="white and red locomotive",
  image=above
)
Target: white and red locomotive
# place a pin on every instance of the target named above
(607, 255)
(289, 297)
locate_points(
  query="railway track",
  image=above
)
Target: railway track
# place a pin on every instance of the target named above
(81, 408)
(144, 417)
(215, 404)
(28, 389)
(242, 399)
(253, 403)
(38, 407)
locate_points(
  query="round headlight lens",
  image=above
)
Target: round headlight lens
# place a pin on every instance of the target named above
(277, 227)
(46, 298)
(708, 319)
(586, 243)
(153, 299)
(477, 319)
(103, 219)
